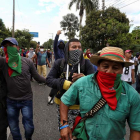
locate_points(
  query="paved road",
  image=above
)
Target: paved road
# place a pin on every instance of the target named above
(45, 119)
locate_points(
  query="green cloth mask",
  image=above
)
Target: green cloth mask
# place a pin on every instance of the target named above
(14, 61)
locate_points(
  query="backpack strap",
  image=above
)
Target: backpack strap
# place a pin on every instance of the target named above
(62, 63)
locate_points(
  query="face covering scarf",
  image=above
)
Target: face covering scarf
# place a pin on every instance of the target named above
(13, 59)
(75, 56)
(61, 46)
(41, 50)
(110, 86)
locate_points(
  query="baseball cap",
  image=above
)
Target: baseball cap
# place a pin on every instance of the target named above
(10, 39)
(127, 51)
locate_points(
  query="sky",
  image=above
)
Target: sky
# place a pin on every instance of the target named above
(44, 16)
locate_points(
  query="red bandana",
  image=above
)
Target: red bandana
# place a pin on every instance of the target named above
(10, 71)
(107, 83)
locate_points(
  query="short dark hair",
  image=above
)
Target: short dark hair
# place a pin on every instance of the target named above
(74, 40)
(42, 47)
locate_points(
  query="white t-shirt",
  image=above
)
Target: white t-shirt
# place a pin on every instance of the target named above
(127, 71)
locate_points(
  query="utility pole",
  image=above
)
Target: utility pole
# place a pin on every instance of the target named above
(52, 39)
(13, 18)
(103, 5)
(52, 35)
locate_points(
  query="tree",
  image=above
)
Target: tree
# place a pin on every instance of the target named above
(81, 5)
(70, 25)
(136, 33)
(4, 32)
(23, 37)
(105, 27)
(48, 44)
(33, 44)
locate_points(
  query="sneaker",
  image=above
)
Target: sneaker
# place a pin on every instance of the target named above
(40, 84)
(49, 99)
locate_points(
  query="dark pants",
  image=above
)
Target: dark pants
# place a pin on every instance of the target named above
(53, 92)
(130, 83)
(137, 84)
(3, 123)
(13, 110)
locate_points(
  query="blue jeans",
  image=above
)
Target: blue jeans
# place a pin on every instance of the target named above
(13, 110)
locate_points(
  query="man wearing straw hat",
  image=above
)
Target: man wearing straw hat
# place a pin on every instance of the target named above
(122, 100)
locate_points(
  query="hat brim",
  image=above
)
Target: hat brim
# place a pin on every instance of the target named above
(95, 59)
(4, 41)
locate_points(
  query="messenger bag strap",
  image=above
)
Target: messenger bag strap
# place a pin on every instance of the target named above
(95, 108)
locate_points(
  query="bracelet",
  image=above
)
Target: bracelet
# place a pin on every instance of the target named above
(64, 126)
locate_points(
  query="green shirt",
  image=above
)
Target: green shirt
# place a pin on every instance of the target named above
(106, 123)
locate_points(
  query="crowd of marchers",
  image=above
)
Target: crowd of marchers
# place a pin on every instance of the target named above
(93, 92)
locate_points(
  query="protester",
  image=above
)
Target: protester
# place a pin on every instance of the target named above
(3, 113)
(21, 52)
(31, 55)
(138, 75)
(87, 54)
(128, 74)
(17, 71)
(122, 101)
(66, 71)
(25, 52)
(136, 62)
(49, 55)
(58, 53)
(41, 61)
(58, 46)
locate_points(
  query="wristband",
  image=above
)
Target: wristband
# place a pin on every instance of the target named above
(64, 126)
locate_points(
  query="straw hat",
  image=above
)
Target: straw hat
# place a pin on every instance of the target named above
(99, 52)
(110, 53)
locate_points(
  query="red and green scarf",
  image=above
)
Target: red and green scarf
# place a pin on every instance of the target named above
(13, 59)
(111, 87)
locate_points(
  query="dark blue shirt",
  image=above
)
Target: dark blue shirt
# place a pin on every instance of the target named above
(41, 58)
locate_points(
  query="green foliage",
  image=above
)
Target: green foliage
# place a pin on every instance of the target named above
(48, 44)
(70, 25)
(33, 44)
(110, 26)
(1, 52)
(84, 5)
(4, 32)
(23, 37)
